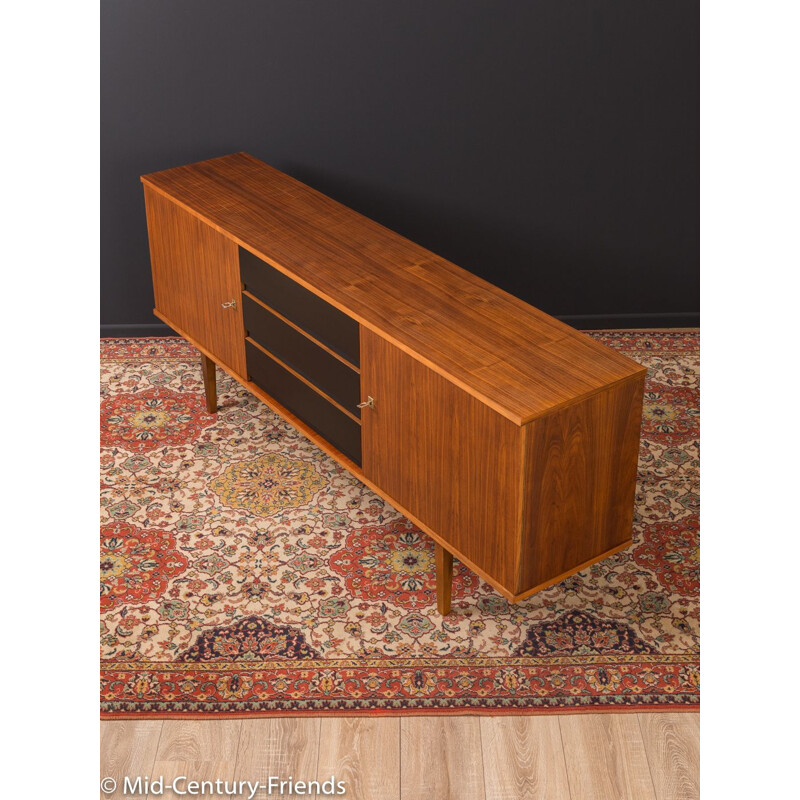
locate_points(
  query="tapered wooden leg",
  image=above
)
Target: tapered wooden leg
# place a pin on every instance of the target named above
(444, 579)
(209, 369)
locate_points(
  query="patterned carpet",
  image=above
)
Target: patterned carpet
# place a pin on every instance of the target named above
(245, 572)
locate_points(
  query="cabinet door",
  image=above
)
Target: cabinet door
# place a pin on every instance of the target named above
(195, 278)
(449, 459)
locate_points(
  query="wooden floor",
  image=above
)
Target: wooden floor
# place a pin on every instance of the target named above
(570, 757)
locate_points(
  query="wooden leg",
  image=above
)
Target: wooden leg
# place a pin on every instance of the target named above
(209, 369)
(444, 579)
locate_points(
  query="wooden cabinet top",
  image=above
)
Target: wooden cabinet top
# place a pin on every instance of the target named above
(513, 357)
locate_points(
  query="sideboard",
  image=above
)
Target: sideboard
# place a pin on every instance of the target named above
(507, 436)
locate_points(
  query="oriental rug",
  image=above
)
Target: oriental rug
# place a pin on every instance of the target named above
(244, 572)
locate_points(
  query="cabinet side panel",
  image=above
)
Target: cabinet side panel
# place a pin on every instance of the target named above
(195, 271)
(580, 470)
(452, 461)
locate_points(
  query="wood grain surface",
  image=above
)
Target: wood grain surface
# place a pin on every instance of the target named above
(364, 752)
(444, 579)
(127, 748)
(209, 371)
(453, 461)
(196, 270)
(516, 359)
(605, 757)
(580, 482)
(282, 747)
(558, 757)
(437, 754)
(523, 758)
(197, 751)
(672, 743)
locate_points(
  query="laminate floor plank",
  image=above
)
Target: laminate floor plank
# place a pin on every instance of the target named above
(647, 756)
(441, 758)
(605, 757)
(197, 750)
(364, 752)
(127, 749)
(523, 758)
(672, 745)
(280, 747)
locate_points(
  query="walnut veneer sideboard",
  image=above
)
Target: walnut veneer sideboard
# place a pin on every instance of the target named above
(507, 436)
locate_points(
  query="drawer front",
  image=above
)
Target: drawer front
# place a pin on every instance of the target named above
(327, 372)
(328, 421)
(309, 312)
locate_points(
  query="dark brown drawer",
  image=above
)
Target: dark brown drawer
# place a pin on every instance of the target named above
(309, 312)
(328, 421)
(324, 370)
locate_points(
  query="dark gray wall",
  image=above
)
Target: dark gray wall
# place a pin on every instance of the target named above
(550, 146)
